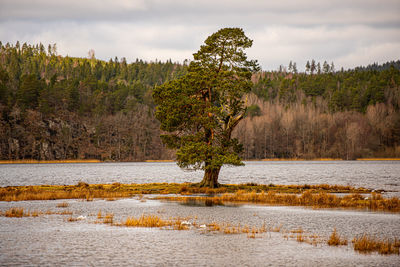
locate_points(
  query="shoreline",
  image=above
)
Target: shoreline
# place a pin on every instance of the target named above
(315, 196)
(31, 161)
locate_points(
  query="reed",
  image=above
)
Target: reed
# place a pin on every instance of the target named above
(309, 199)
(109, 218)
(147, 221)
(114, 191)
(32, 161)
(336, 240)
(63, 205)
(72, 219)
(15, 212)
(368, 244)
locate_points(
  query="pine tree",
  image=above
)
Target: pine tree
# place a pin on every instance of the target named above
(201, 109)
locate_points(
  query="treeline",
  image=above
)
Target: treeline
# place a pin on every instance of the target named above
(344, 114)
(55, 107)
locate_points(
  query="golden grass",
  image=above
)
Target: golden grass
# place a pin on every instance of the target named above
(301, 159)
(309, 199)
(158, 160)
(154, 221)
(378, 159)
(15, 212)
(109, 218)
(63, 205)
(368, 244)
(336, 240)
(18, 212)
(32, 161)
(116, 190)
(72, 219)
(147, 221)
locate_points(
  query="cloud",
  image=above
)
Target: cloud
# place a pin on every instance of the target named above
(350, 33)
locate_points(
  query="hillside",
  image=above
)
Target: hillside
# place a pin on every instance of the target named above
(55, 107)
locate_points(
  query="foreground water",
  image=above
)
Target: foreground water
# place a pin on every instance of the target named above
(371, 174)
(52, 240)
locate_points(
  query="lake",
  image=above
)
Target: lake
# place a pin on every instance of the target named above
(51, 240)
(370, 174)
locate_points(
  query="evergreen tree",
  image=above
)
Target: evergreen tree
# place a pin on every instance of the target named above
(29, 91)
(308, 66)
(325, 67)
(201, 109)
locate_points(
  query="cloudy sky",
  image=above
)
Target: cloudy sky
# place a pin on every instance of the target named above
(348, 32)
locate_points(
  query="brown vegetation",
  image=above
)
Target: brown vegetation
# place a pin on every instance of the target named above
(336, 240)
(316, 200)
(18, 212)
(116, 190)
(15, 212)
(109, 218)
(32, 161)
(62, 205)
(306, 129)
(368, 244)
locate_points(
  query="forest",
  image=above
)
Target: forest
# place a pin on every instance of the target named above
(59, 107)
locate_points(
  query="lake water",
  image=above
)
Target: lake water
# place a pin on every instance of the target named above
(370, 174)
(50, 240)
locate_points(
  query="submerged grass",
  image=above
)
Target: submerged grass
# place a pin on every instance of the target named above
(15, 212)
(18, 212)
(368, 244)
(63, 205)
(336, 240)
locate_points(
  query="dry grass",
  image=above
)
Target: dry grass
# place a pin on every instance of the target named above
(63, 205)
(15, 212)
(147, 221)
(32, 161)
(116, 190)
(109, 218)
(316, 200)
(336, 240)
(379, 159)
(72, 219)
(364, 243)
(368, 244)
(20, 212)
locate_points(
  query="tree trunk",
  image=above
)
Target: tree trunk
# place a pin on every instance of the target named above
(210, 178)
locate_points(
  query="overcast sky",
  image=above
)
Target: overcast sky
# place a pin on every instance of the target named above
(348, 32)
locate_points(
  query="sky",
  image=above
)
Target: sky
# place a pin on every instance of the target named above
(349, 33)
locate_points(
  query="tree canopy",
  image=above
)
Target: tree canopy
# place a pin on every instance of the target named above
(200, 110)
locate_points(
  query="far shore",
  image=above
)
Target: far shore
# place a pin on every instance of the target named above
(32, 161)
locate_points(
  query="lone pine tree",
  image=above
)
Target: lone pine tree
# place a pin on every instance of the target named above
(199, 111)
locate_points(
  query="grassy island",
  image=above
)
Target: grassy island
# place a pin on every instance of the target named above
(317, 196)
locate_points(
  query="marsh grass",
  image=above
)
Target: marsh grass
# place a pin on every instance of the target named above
(148, 221)
(18, 212)
(116, 190)
(336, 240)
(63, 205)
(72, 219)
(15, 212)
(368, 244)
(309, 199)
(109, 218)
